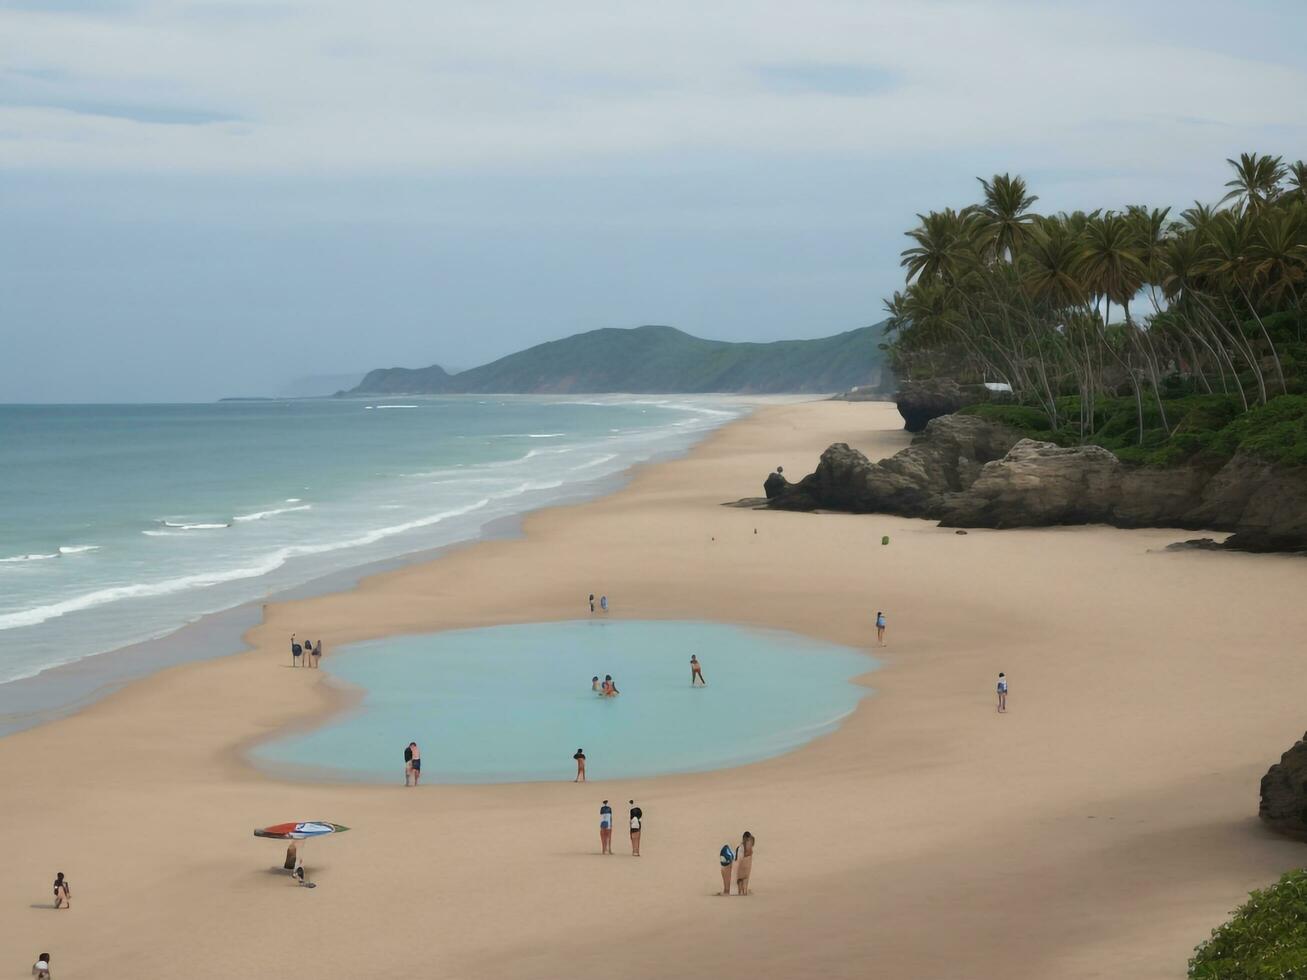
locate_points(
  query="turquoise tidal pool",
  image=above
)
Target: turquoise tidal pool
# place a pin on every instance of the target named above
(513, 703)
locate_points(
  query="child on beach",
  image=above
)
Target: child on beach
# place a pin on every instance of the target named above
(62, 892)
(41, 968)
(1002, 691)
(696, 671)
(880, 627)
(580, 766)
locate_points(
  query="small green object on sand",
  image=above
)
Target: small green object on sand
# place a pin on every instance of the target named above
(885, 539)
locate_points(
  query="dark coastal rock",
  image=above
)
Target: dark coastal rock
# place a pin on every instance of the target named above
(921, 401)
(966, 472)
(1283, 804)
(775, 485)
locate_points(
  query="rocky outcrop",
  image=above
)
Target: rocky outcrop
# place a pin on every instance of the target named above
(921, 401)
(775, 485)
(1284, 793)
(967, 472)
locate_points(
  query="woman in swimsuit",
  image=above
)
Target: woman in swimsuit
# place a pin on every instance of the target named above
(744, 864)
(880, 628)
(580, 766)
(696, 671)
(61, 892)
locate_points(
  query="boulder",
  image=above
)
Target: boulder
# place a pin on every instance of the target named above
(775, 485)
(1283, 804)
(921, 401)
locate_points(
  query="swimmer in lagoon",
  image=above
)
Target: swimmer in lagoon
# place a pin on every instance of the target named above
(696, 671)
(595, 685)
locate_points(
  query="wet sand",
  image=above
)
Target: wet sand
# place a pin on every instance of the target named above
(1100, 828)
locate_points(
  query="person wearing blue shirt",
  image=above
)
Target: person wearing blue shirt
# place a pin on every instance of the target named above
(606, 829)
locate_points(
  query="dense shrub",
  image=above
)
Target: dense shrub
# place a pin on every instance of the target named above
(1266, 937)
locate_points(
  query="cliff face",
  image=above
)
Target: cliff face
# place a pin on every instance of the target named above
(967, 472)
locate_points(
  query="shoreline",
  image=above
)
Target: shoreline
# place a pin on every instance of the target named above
(64, 689)
(1109, 817)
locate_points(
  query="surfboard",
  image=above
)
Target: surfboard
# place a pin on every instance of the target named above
(303, 830)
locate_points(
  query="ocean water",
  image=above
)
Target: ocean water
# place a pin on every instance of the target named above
(119, 523)
(513, 703)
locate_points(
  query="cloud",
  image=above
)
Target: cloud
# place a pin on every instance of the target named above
(339, 88)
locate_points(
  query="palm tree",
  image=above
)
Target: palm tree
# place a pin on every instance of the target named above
(944, 243)
(1232, 240)
(1256, 181)
(1005, 216)
(1297, 175)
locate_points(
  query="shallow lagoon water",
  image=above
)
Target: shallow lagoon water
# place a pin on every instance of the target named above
(513, 703)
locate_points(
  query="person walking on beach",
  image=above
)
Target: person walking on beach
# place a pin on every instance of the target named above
(1002, 691)
(603, 604)
(62, 893)
(295, 651)
(880, 628)
(592, 603)
(580, 766)
(744, 864)
(317, 653)
(696, 672)
(637, 821)
(605, 829)
(41, 968)
(728, 859)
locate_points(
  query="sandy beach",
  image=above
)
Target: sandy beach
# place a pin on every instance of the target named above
(1098, 829)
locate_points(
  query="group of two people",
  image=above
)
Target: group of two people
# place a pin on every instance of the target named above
(603, 603)
(635, 818)
(739, 860)
(309, 649)
(412, 764)
(606, 688)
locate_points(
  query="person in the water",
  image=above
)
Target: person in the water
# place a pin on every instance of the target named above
(610, 687)
(595, 685)
(696, 671)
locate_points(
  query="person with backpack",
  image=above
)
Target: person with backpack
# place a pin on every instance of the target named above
(296, 651)
(637, 821)
(728, 859)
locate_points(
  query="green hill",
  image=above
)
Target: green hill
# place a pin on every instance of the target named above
(653, 359)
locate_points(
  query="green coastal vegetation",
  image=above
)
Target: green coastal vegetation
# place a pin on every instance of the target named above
(654, 359)
(1163, 338)
(1265, 938)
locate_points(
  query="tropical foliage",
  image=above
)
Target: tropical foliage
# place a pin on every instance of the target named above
(1090, 316)
(1266, 937)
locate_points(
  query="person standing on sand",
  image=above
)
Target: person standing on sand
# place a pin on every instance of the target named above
(637, 822)
(592, 603)
(317, 653)
(605, 829)
(415, 761)
(408, 764)
(880, 627)
(295, 651)
(696, 671)
(62, 893)
(580, 766)
(744, 864)
(728, 859)
(603, 604)
(1002, 691)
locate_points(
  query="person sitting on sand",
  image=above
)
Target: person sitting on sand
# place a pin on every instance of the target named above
(880, 627)
(728, 859)
(295, 651)
(744, 864)
(605, 829)
(62, 892)
(317, 653)
(580, 766)
(595, 685)
(696, 671)
(1002, 691)
(41, 968)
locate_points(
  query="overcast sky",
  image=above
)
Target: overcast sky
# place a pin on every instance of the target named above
(213, 197)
